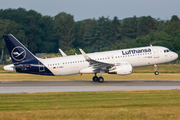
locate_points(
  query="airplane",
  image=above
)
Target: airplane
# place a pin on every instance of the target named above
(120, 62)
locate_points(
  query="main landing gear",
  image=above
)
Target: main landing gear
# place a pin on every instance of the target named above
(156, 72)
(96, 79)
(100, 79)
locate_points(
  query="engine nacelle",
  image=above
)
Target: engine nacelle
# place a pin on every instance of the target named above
(125, 69)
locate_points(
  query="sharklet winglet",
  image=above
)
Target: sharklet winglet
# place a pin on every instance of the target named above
(62, 53)
(87, 58)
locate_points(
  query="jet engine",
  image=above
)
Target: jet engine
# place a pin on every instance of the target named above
(125, 69)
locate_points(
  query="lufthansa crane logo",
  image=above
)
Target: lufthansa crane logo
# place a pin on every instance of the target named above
(18, 53)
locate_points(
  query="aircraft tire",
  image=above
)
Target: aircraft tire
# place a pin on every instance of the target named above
(156, 73)
(101, 79)
(95, 78)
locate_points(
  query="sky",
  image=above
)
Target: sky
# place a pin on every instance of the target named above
(85, 9)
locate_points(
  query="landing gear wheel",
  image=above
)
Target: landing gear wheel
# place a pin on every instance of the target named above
(156, 72)
(95, 78)
(101, 79)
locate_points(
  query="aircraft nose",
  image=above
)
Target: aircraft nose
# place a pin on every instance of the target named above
(175, 56)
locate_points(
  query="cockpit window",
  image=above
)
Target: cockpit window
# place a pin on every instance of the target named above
(165, 51)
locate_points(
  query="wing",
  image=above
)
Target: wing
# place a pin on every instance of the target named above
(97, 64)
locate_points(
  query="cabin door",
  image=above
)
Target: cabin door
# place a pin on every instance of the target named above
(155, 52)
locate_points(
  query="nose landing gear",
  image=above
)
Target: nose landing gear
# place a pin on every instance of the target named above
(156, 72)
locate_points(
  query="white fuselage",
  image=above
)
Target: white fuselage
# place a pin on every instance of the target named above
(137, 57)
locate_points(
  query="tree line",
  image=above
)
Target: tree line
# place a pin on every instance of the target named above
(45, 34)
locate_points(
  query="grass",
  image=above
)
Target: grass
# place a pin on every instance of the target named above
(134, 76)
(126, 105)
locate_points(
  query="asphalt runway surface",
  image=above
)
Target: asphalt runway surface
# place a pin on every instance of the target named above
(74, 86)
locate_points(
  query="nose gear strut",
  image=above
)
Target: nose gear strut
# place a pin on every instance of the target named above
(155, 68)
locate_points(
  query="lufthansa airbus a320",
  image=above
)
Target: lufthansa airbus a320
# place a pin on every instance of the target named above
(120, 62)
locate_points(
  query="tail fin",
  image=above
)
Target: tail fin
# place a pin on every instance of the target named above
(18, 52)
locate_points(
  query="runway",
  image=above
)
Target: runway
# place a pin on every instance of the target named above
(74, 86)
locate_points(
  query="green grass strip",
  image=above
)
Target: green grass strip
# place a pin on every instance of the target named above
(132, 105)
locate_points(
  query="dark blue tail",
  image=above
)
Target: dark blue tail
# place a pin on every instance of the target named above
(23, 60)
(18, 52)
